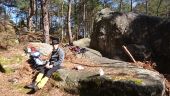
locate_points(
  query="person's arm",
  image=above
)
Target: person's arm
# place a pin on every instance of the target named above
(61, 58)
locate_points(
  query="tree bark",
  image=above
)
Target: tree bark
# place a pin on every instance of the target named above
(31, 14)
(120, 6)
(131, 7)
(69, 23)
(50, 16)
(146, 6)
(36, 12)
(49, 19)
(62, 20)
(168, 12)
(44, 4)
(84, 18)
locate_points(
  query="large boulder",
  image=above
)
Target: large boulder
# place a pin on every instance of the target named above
(120, 79)
(85, 42)
(44, 48)
(146, 37)
(8, 37)
(89, 53)
(69, 79)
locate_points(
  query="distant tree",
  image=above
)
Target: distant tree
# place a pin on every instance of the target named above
(3, 14)
(120, 5)
(131, 7)
(62, 16)
(31, 13)
(157, 11)
(84, 19)
(36, 14)
(69, 23)
(85, 13)
(44, 6)
(106, 3)
(153, 7)
(60, 11)
(146, 6)
(22, 5)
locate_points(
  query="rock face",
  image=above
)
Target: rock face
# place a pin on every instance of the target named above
(125, 79)
(44, 48)
(8, 37)
(85, 42)
(146, 37)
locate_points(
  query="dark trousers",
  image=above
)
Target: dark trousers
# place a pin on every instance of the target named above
(48, 72)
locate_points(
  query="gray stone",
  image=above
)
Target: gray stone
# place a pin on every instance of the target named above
(90, 54)
(69, 79)
(129, 81)
(85, 42)
(146, 37)
(8, 37)
(43, 48)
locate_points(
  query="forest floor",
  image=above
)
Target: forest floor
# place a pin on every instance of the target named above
(12, 83)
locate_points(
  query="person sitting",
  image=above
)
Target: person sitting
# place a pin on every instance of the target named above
(56, 59)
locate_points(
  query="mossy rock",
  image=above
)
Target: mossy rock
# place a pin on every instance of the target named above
(6, 69)
(56, 76)
(104, 86)
(128, 78)
(69, 79)
(15, 59)
(90, 83)
(8, 64)
(2, 69)
(8, 37)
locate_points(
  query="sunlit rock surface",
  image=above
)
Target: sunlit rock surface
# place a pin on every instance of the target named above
(119, 79)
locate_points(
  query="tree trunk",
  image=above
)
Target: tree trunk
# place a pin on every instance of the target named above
(120, 6)
(157, 11)
(36, 18)
(49, 19)
(168, 12)
(44, 4)
(31, 13)
(29, 21)
(146, 6)
(131, 7)
(41, 22)
(104, 3)
(76, 18)
(50, 16)
(62, 29)
(69, 23)
(84, 18)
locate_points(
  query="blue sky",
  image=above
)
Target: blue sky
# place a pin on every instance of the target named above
(13, 12)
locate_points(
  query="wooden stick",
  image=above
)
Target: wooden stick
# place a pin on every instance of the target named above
(129, 54)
